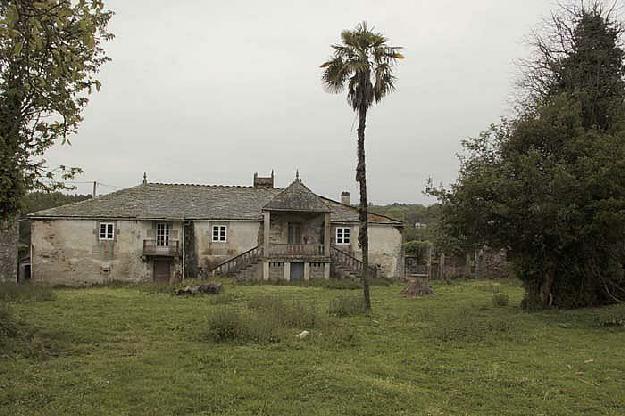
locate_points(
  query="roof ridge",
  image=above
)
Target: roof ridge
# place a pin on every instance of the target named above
(210, 185)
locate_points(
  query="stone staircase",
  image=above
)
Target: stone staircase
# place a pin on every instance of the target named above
(248, 265)
(245, 266)
(344, 265)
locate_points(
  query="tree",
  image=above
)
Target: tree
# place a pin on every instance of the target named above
(548, 186)
(50, 53)
(363, 63)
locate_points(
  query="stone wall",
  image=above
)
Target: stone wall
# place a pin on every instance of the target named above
(70, 252)
(241, 237)
(8, 250)
(385, 247)
(276, 270)
(317, 270)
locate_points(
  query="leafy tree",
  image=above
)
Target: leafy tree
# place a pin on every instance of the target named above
(363, 63)
(549, 185)
(50, 53)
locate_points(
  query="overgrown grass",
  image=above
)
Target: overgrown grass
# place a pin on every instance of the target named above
(500, 299)
(349, 305)
(266, 319)
(18, 339)
(24, 292)
(346, 283)
(131, 350)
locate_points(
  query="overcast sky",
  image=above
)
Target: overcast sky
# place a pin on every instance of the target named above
(211, 91)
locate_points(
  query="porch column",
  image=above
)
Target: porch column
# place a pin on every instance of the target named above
(267, 218)
(326, 271)
(328, 231)
(265, 270)
(306, 270)
(287, 270)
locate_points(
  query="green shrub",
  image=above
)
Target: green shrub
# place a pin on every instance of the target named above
(291, 314)
(226, 325)
(347, 306)
(23, 292)
(500, 299)
(231, 325)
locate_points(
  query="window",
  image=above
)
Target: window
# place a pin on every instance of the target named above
(162, 234)
(107, 231)
(219, 233)
(343, 235)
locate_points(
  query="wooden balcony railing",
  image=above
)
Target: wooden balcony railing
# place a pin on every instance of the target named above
(151, 248)
(296, 250)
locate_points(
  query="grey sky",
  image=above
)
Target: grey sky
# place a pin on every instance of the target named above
(211, 91)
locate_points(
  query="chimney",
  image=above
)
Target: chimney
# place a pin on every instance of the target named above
(345, 200)
(263, 182)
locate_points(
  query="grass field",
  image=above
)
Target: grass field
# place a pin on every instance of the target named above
(137, 351)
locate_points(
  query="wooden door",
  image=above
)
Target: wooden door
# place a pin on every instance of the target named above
(297, 271)
(295, 233)
(162, 271)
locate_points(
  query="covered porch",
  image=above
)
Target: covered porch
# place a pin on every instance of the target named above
(296, 235)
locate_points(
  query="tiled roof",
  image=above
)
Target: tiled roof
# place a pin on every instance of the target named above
(179, 201)
(296, 197)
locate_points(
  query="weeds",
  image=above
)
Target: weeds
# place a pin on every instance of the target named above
(266, 319)
(346, 306)
(500, 299)
(231, 325)
(24, 292)
(18, 339)
(467, 327)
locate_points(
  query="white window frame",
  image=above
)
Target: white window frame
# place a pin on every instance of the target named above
(343, 238)
(219, 234)
(162, 238)
(106, 231)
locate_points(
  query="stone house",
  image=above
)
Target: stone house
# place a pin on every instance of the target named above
(161, 232)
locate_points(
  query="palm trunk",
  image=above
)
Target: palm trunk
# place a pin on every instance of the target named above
(361, 177)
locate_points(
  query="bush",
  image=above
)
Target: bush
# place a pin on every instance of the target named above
(13, 292)
(292, 314)
(500, 299)
(347, 306)
(230, 325)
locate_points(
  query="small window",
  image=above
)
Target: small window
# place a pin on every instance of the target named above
(107, 231)
(162, 234)
(219, 233)
(343, 235)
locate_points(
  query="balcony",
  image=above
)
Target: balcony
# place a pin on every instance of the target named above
(151, 248)
(296, 250)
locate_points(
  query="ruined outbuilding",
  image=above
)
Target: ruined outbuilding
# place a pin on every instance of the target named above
(163, 232)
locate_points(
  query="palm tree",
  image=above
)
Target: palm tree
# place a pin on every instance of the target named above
(363, 63)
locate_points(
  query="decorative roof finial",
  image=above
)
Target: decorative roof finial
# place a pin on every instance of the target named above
(145, 178)
(297, 174)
